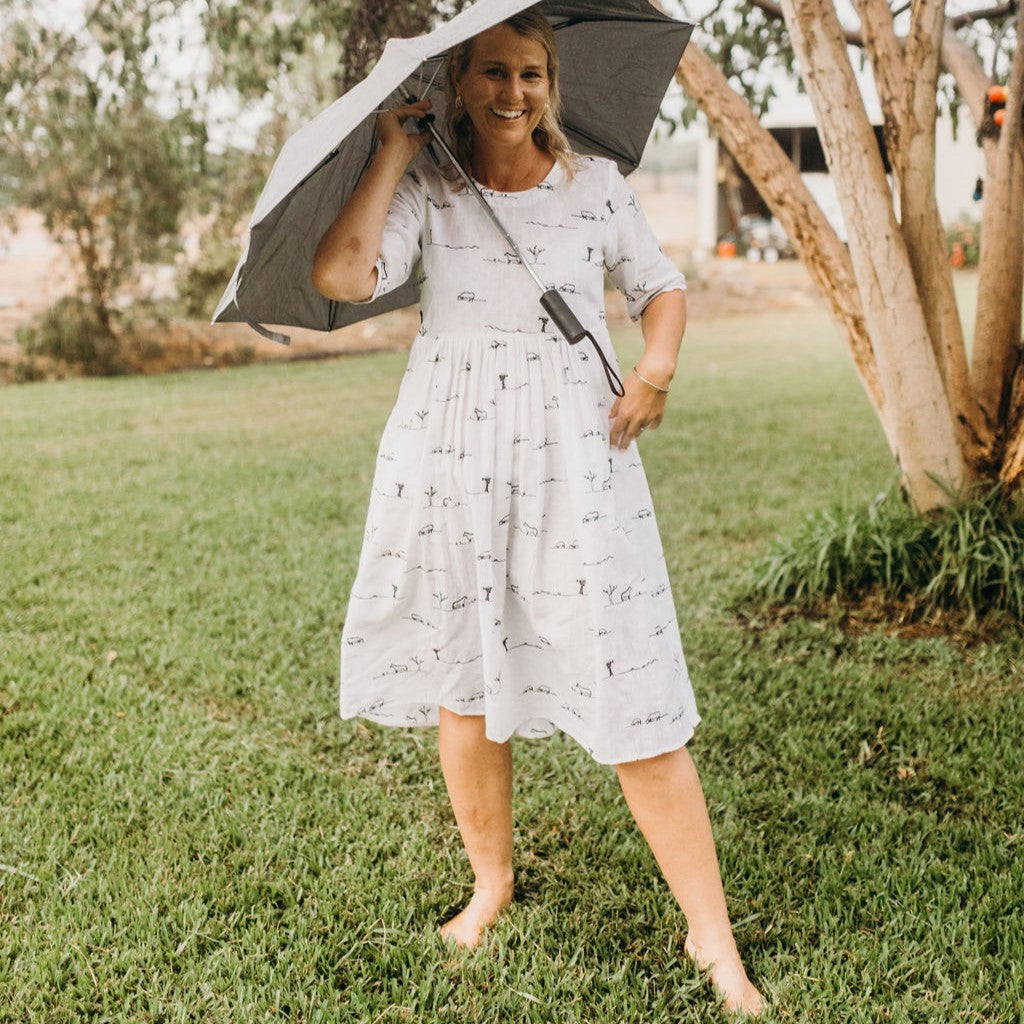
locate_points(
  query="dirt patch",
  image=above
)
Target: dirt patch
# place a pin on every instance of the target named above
(34, 273)
(870, 614)
(734, 287)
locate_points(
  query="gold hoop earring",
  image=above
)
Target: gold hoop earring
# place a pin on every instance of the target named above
(458, 101)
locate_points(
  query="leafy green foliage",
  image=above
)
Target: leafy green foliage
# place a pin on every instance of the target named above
(71, 332)
(749, 46)
(965, 558)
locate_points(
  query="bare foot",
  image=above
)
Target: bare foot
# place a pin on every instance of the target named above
(468, 926)
(730, 981)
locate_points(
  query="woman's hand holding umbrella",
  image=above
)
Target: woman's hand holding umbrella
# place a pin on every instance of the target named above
(391, 129)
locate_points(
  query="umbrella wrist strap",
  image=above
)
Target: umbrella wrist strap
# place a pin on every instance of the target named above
(281, 339)
(614, 380)
(574, 332)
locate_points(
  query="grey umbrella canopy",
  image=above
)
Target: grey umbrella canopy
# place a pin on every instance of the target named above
(616, 61)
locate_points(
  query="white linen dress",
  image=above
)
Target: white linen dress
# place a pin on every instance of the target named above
(511, 565)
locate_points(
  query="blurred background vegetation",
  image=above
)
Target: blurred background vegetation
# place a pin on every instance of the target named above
(142, 133)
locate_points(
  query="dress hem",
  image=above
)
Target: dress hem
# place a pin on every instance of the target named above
(686, 730)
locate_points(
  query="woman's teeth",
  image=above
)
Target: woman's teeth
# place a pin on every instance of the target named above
(509, 115)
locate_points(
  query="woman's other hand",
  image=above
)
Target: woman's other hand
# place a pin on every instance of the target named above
(640, 408)
(643, 405)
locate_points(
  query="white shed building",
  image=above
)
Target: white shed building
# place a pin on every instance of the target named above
(725, 192)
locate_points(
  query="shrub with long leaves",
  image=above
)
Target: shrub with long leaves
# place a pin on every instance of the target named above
(968, 557)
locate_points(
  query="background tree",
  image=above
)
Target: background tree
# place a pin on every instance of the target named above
(88, 147)
(949, 420)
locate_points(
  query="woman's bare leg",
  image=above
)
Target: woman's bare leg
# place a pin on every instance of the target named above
(478, 774)
(666, 799)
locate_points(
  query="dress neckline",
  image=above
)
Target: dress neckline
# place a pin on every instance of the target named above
(545, 184)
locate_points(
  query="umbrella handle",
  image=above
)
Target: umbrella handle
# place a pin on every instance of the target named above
(564, 318)
(574, 332)
(423, 124)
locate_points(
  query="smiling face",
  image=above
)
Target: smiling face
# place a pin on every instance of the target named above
(505, 87)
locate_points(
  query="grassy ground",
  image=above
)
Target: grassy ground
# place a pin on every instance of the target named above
(188, 833)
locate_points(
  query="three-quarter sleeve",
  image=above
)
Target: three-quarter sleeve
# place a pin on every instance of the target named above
(632, 256)
(400, 244)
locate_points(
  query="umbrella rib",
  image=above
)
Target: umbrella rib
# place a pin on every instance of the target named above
(432, 78)
(594, 142)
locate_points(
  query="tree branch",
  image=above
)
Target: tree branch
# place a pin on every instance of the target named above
(921, 224)
(774, 11)
(887, 63)
(998, 325)
(970, 17)
(854, 38)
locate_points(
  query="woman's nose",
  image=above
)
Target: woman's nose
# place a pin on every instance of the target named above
(513, 87)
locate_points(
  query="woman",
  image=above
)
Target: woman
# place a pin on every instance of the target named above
(512, 579)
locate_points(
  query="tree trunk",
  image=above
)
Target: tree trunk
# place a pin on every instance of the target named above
(923, 427)
(1011, 472)
(372, 23)
(997, 333)
(923, 229)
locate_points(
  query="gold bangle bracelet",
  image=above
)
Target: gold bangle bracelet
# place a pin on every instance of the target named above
(650, 383)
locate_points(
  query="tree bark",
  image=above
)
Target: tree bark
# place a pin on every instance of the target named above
(1011, 472)
(923, 426)
(906, 75)
(780, 185)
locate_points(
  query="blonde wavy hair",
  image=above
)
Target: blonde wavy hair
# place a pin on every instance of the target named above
(548, 135)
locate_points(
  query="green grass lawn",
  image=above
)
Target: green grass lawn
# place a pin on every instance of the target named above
(188, 832)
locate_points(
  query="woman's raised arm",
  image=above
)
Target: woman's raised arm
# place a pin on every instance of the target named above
(344, 267)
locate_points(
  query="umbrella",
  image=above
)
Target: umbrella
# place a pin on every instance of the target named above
(616, 59)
